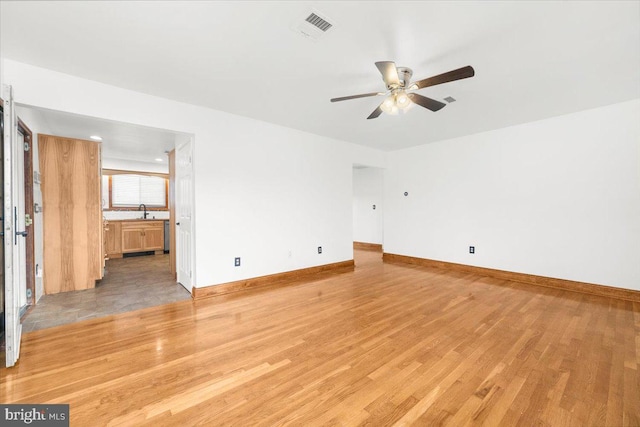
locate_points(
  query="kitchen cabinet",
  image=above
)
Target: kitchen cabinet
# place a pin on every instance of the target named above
(142, 236)
(113, 239)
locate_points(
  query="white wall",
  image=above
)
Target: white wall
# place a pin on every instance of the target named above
(133, 165)
(368, 186)
(37, 125)
(558, 198)
(263, 192)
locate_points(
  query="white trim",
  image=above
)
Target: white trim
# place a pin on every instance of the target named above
(13, 328)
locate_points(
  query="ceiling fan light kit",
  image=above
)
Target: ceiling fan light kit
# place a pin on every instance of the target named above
(396, 102)
(400, 95)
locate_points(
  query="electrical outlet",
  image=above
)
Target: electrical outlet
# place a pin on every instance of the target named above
(472, 249)
(237, 262)
(319, 249)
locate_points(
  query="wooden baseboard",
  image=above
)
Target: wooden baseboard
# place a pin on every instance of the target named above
(549, 282)
(272, 279)
(367, 246)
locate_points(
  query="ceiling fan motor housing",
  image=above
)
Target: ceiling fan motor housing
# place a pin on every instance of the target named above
(404, 75)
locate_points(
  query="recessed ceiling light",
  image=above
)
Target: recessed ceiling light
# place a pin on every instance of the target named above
(96, 137)
(158, 160)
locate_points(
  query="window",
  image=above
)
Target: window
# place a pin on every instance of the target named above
(124, 190)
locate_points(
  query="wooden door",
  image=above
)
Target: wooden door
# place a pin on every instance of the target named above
(72, 213)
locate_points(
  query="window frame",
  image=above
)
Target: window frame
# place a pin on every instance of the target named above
(111, 172)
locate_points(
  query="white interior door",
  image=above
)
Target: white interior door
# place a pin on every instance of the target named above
(12, 259)
(184, 215)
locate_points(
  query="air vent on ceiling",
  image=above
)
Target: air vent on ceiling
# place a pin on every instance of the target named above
(313, 25)
(450, 99)
(316, 21)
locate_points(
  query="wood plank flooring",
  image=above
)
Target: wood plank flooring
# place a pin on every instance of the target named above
(383, 345)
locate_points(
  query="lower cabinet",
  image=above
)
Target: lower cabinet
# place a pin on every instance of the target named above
(132, 239)
(123, 237)
(113, 239)
(153, 237)
(142, 236)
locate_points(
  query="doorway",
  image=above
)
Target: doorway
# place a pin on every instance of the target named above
(368, 228)
(136, 148)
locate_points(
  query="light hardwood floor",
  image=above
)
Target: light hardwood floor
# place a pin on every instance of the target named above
(384, 345)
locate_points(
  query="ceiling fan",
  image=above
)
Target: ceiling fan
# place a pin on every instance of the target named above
(400, 91)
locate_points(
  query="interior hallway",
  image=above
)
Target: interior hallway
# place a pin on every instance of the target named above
(129, 284)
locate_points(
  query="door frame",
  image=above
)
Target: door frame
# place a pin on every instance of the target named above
(28, 210)
(12, 259)
(2, 276)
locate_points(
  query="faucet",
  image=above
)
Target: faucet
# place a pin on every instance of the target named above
(142, 205)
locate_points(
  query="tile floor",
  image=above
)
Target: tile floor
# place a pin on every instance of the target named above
(129, 284)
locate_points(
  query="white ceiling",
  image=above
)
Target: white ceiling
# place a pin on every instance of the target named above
(533, 59)
(121, 141)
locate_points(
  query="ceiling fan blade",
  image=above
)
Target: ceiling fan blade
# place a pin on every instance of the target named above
(428, 103)
(375, 113)
(364, 95)
(389, 73)
(459, 74)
